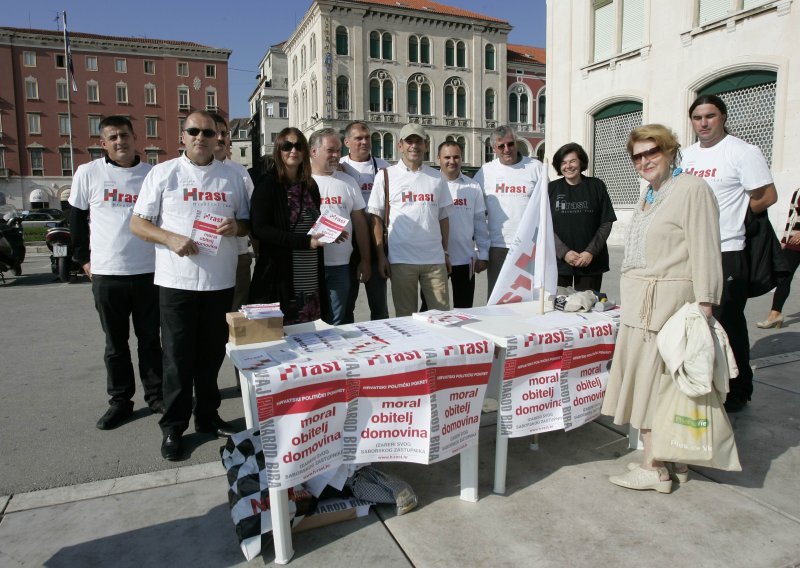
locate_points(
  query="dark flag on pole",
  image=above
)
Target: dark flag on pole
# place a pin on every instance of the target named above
(68, 50)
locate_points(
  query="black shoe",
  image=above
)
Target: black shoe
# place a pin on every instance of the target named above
(734, 404)
(172, 447)
(157, 406)
(115, 415)
(216, 426)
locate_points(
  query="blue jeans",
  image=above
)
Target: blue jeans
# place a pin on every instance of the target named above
(376, 295)
(337, 281)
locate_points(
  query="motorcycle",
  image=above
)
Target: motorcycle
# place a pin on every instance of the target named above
(59, 240)
(12, 245)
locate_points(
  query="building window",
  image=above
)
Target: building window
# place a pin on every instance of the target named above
(302, 59)
(413, 49)
(183, 69)
(419, 49)
(3, 160)
(149, 67)
(151, 126)
(95, 153)
(66, 161)
(242, 134)
(92, 92)
(269, 109)
(122, 93)
(273, 137)
(419, 95)
(518, 103)
(31, 88)
(711, 10)
(94, 125)
(121, 65)
(183, 98)
(34, 123)
(455, 98)
(283, 110)
(540, 115)
(461, 141)
(181, 124)
(489, 62)
(380, 45)
(314, 96)
(610, 160)
(149, 94)
(489, 110)
(383, 145)
(211, 99)
(381, 92)
(63, 124)
(60, 64)
(342, 47)
(37, 161)
(488, 150)
(91, 63)
(617, 26)
(152, 157)
(342, 93)
(455, 53)
(211, 71)
(62, 90)
(29, 58)
(294, 68)
(242, 152)
(312, 48)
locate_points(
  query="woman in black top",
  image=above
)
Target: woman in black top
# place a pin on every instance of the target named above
(290, 267)
(582, 218)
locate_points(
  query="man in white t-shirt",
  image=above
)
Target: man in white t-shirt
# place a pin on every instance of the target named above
(120, 267)
(419, 204)
(508, 182)
(340, 194)
(740, 178)
(193, 208)
(362, 166)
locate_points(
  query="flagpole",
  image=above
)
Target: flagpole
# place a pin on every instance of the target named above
(69, 94)
(543, 202)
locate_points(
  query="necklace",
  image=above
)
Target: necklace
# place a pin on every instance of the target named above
(650, 196)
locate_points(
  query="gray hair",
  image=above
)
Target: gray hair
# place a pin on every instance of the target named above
(501, 132)
(316, 138)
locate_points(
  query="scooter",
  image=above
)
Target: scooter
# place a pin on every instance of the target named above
(12, 245)
(59, 241)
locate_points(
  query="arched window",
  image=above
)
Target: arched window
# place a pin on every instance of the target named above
(295, 109)
(383, 145)
(540, 114)
(489, 61)
(342, 93)
(419, 95)
(314, 96)
(425, 50)
(461, 141)
(518, 105)
(381, 92)
(312, 47)
(342, 47)
(294, 68)
(380, 45)
(455, 98)
(610, 161)
(413, 49)
(455, 53)
(419, 49)
(489, 111)
(303, 104)
(302, 59)
(488, 151)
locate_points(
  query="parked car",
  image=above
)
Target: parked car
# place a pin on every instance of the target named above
(40, 219)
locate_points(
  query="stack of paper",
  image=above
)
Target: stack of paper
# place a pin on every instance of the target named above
(261, 311)
(438, 317)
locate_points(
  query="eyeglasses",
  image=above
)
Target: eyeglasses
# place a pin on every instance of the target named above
(649, 154)
(206, 132)
(287, 146)
(506, 145)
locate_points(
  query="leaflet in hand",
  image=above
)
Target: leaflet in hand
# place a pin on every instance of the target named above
(438, 317)
(204, 232)
(329, 226)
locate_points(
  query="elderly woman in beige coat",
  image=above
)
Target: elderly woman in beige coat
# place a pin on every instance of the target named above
(672, 256)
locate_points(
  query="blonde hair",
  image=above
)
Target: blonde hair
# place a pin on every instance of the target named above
(663, 137)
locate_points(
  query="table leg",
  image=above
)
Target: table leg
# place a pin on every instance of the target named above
(469, 474)
(247, 401)
(501, 447)
(281, 525)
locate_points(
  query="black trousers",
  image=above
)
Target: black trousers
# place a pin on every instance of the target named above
(463, 288)
(118, 300)
(730, 314)
(581, 282)
(194, 333)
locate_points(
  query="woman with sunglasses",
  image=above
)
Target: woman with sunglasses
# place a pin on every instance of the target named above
(284, 206)
(672, 256)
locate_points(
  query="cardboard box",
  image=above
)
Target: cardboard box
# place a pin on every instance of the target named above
(333, 511)
(242, 331)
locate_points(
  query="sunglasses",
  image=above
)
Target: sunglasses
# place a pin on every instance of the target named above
(504, 146)
(206, 132)
(287, 146)
(649, 154)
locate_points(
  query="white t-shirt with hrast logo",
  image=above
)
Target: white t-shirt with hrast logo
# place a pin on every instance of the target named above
(418, 200)
(109, 193)
(467, 219)
(173, 192)
(242, 243)
(733, 168)
(363, 172)
(507, 190)
(339, 193)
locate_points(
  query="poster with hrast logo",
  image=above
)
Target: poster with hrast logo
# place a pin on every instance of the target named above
(301, 412)
(204, 232)
(530, 400)
(584, 370)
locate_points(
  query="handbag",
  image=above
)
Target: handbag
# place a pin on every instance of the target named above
(766, 263)
(692, 430)
(792, 224)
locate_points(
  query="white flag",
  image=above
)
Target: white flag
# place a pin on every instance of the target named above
(531, 261)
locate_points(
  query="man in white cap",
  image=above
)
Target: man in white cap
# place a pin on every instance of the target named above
(418, 203)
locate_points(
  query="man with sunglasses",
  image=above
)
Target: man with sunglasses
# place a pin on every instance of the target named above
(508, 182)
(180, 199)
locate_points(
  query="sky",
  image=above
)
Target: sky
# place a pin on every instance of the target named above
(247, 27)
